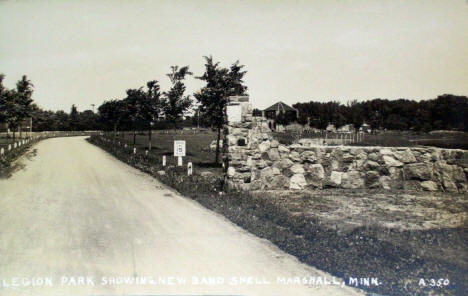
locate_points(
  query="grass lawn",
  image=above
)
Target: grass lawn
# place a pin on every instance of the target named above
(388, 139)
(197, 146)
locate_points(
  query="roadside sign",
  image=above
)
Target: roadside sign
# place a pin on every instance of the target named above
(179, 148)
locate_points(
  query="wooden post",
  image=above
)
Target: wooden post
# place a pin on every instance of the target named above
(189, 169)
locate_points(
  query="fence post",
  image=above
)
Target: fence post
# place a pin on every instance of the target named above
(189, 168)
(164, 160)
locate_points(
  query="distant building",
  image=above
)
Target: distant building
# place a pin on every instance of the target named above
(274, 110)
(331, 128)
(365, 128)
(348, 128)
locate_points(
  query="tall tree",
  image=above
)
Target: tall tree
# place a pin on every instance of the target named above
(24, 91)
(151, 107)
(16, 103)
(175, 103)
(220, 84)
(3, 99)
(135, 111)
(111, 113)
(73, 118)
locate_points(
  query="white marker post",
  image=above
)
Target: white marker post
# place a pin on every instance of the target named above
(134, 150)
(179, 151)
(164, 160)
(189, 169)
(2, 151)
(146, 152)
(9, 147)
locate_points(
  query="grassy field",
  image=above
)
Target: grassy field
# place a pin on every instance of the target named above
(197, 146)
(388, 139)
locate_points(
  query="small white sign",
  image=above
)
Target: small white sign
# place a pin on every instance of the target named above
(234, 113)
(179, 148)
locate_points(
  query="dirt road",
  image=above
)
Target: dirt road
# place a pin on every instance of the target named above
(76, 221)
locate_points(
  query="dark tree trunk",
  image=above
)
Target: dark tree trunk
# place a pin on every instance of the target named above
(134, 138)
(115, 132)
(217, 145)
(149, 138)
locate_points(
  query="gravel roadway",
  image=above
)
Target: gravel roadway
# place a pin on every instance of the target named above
(76, 221)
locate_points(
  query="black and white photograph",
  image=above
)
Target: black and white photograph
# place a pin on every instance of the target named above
(233, 147)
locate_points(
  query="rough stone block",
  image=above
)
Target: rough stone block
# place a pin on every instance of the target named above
(385, 182)
(391, 162)
(405, 156)
(429, 186)
(418, 171)
(273, 154)
(335, 179)
(352, 180)
(298, 182)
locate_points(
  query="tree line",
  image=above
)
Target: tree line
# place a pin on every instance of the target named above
(149, 108)
(446, 112)
(17, 104)
(146, 107)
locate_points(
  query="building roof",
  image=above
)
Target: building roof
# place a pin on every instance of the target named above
(280, 106)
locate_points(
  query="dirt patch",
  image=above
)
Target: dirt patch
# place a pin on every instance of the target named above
(350, 209)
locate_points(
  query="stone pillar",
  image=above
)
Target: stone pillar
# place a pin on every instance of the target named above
(242, 135)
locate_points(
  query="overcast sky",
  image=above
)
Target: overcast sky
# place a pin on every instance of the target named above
(83, 52)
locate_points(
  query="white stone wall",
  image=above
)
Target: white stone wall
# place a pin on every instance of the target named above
(253, 161)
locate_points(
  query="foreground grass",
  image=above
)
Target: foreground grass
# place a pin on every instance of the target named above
(8, 161)
(365, 251)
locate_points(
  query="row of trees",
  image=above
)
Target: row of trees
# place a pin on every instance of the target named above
(15, 104)
(446, 112)
(145, 107)
(46, 120)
